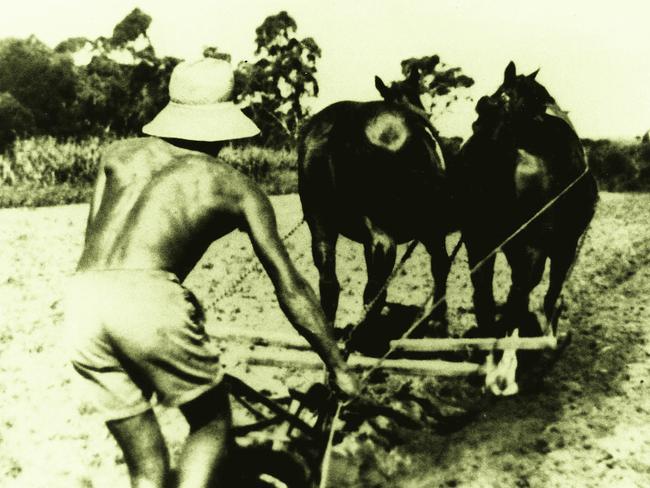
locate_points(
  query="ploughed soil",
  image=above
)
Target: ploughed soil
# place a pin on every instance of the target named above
(586, 421)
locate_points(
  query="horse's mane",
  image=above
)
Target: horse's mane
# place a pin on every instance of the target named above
(554, 110)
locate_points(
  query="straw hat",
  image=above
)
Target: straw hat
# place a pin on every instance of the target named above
(198, 109)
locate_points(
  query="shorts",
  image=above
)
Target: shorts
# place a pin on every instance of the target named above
(133, 333)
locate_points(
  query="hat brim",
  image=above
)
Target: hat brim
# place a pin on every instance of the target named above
(210, 123)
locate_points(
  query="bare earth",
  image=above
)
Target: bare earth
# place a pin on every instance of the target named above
(589, 425)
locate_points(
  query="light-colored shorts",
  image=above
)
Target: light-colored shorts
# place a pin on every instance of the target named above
(133, 333)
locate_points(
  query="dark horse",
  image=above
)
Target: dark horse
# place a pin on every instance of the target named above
(522, 154)
(374, 172)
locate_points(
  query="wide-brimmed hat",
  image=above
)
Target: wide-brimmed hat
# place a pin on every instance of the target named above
(199, 109)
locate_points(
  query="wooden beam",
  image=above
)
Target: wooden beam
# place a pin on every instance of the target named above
(486, 344)
(296, 341)
(428, 367)
(263, 338)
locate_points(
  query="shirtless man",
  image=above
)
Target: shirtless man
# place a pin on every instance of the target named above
(135, 330)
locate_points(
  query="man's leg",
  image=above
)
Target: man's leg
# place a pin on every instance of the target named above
(144, 449)
(202, 461)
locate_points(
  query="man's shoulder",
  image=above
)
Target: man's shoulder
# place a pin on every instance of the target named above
(152, 151)
(130, 145)
(125, 152)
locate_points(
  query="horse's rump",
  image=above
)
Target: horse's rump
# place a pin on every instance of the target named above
(371, 159)
(387, 130)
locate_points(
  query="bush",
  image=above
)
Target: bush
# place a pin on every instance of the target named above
(619, 166)
(275, 170)
(44, 171)
(46, 161)
(35, 195)
(643, 161)
(15, 119)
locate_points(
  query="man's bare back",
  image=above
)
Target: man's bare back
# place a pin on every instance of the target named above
(160, 207)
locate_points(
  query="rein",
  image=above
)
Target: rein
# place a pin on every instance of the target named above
(253, 266)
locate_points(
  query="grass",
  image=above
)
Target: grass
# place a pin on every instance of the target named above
(43, 171)
(36, 195)
(275, 170)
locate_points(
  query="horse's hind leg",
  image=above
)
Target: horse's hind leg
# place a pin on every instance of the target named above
(380, 252)
(561, 260)
(483, 287)
(527, 268)
(440, 266)
(323, 248)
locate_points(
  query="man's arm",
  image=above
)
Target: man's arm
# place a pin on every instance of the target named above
(296, 298)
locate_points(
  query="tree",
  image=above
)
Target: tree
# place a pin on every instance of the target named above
(39, 80)
(130, 28)
(438, 82)
(15, 119)
(275, 86)
(125, 84)
(214, 52)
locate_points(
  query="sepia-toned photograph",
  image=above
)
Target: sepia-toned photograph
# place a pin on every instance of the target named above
(407, 243)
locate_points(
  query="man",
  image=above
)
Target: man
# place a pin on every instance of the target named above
(159, 203)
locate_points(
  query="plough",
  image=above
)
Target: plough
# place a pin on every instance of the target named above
(291, 457)
(295, 460)
(299, 353)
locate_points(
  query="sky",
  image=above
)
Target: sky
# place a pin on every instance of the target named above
(593, 55)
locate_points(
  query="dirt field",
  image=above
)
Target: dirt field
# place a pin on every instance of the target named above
(588, 426)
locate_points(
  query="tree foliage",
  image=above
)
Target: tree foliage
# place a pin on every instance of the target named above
(438, 81)
(216, 53)
(275, 86)
(120, 87)
(125, 84)
(114, 85)
(41, 83)
(130, 28)
(619, 166)
(15, 119)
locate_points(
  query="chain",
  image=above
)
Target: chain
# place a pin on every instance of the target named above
(253, 266)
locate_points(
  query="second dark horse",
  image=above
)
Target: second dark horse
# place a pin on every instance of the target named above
(374, 173)
(523, 154)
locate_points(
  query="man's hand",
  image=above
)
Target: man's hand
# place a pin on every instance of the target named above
(346, 382)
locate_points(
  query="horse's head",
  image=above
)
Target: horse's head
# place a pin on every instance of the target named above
(406, 92)
(518, 101)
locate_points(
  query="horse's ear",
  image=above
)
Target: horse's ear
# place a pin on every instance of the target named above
(381, 87)
(510, 74)
(533, 74)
